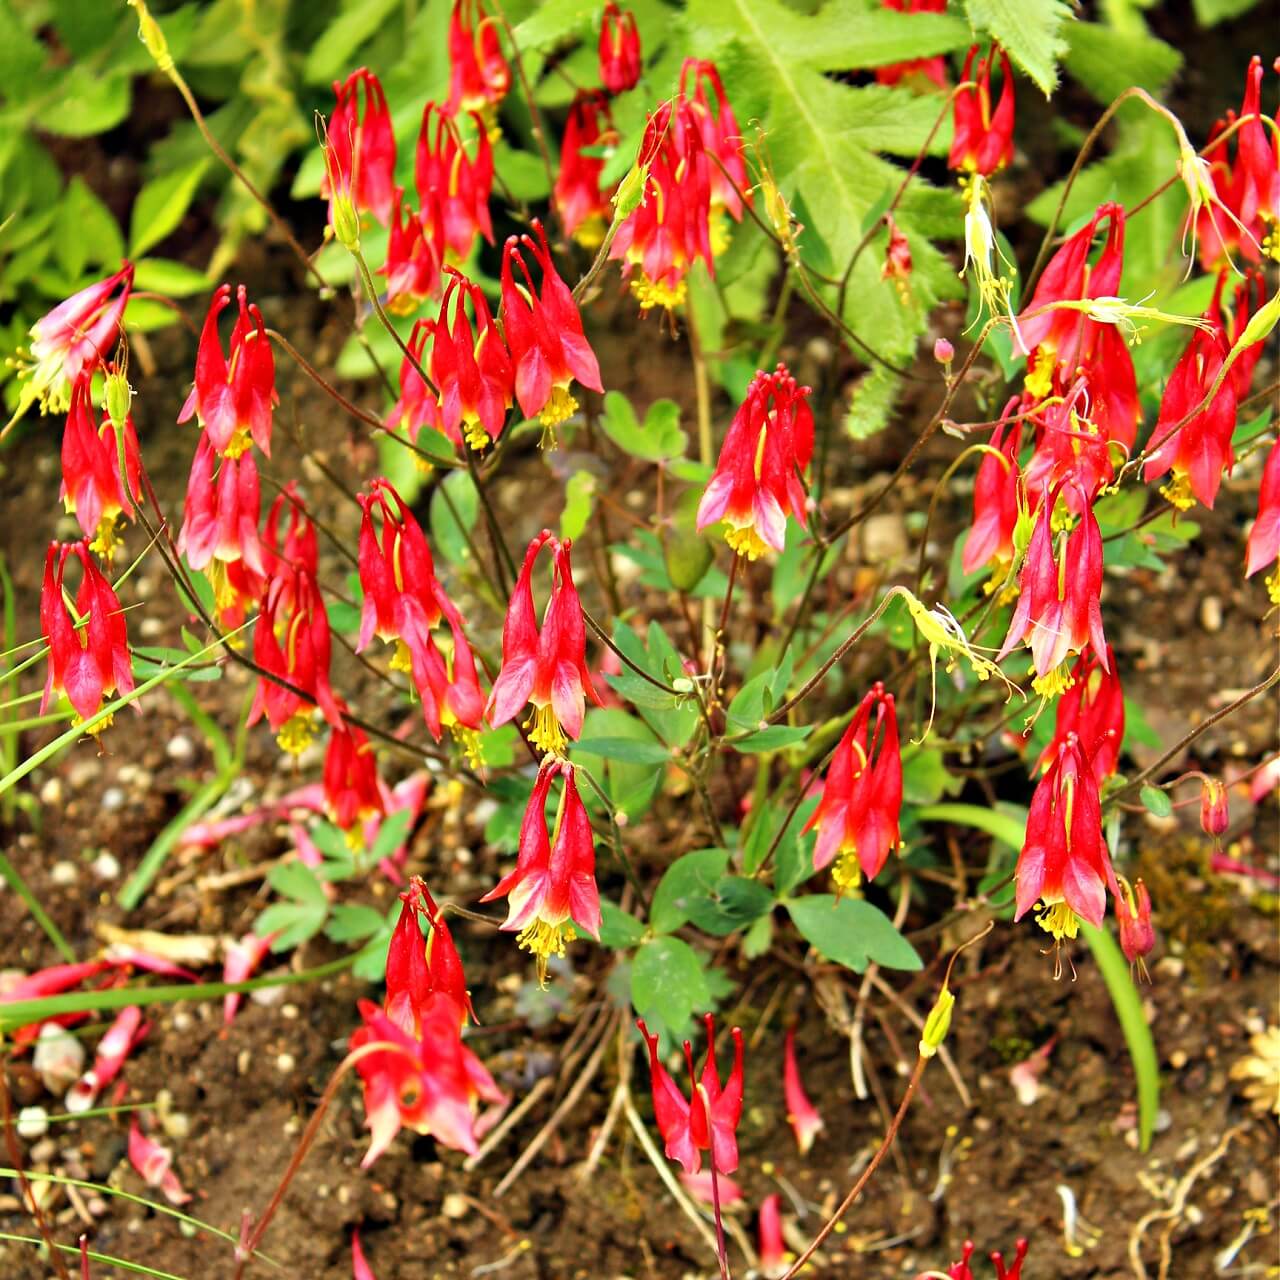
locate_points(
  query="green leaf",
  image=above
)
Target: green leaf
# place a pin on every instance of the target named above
(1107, 61)
(448, 537)
(619, 930)
(391, 835)
(160, 206)
(851, 932)
(1031, 30)
(1000, 826)
(163, 275)
(846, 33)
(925, 779)
(85, 231)
(1210, 12)
(299, 918)
(668, 986)
(630, 750)
(688, 880)
(732, 903)
(631, 786)
(1156, 801)
(351, 922)
(86, 104)
(773, 738)
(333, 55)
(579, 500)
(554, 21)
(659, 438)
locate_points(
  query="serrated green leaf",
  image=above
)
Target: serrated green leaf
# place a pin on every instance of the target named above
(302, 916)
(660, 436)
(1031, 31)
(851, 932)
(689, 879)
(352, 921)
(668, 986)
(160, 206)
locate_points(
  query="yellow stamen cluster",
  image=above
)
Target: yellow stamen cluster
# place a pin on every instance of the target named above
(476, 436)
(470, 742)
(720, 231)
(653, 293)
(239, 444)
(107, 537)
(225, 596)
(1057, 919)
(402, 659)
(590, 232)
(545, 732)
(296, 734)
(1178, 491)
(1054, 682)
(1039, 379)
(543, 940)
(1273, 587)
(106, 722)
(846, 873)
(560, 406)
(746, 542)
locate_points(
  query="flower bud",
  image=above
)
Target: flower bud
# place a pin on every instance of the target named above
(1214, 813)
(943, 351)
(152, 36)
(937, 1024)
(1133, 914)
(119, 394)
(630, 191)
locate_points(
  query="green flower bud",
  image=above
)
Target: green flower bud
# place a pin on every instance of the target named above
(118, 396)
(937, 1024)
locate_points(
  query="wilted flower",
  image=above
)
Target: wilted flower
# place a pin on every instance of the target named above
(360, 1268)
(122, 1037)
(708, 1120)
(240, 962)
(757, 480)
(619, 49)
(553, 885)
(802, 1115)
(91, 662)
(154, 1163)
(773, 1250)
(234, 397)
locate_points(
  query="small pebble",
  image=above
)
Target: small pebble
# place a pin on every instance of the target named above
(64, 873)
(106, 866)
(51, 792)
(243, 1059)
(58, 1058)
(1211, 614)
(33, 1122)
(44, 1151)
(454, 1206)
(180, 748)
(285, 1063)
(289, 1011)
(113, 798)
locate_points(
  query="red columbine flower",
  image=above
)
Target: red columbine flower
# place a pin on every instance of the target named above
(933, 69)
(721, 138)
(1249, 295)
(1092, 711)
(546, 666)
(448, 178)
(857, 817)
(1075, 451)
(1197, 448)
(1215, 813)
(351, 789)
(1063, 342)
(1064, 863)
(584, 209)
(1264, 537)
(233, 398)
(478, 73)
(220, 522)
(415, 251)
(619, 49)
(802, 1115)
(756, 483)
(708, 1121)
(72, 339)
(1133, 915)
(294, 545)
(403, 602)
(291, 641)
(1058, 611)
(961, 1271)
(670, 228)
(472, 368)
(995, 499)
(897, 260)
(88, 663)
(418, 406)
(92, 487)
(983, 139)
(362, 147)
(430, 1081)
(544, 332)
(553, 886)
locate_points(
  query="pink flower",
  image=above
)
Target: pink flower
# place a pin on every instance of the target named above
(155, 1164)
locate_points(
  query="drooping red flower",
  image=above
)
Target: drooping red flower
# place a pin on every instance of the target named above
(403, 603)
(1064, 864)
(289, 537)
(73, 338)
(544, 332)
(1133, 916)
(982, 141)
(471, 367)
(361, 158)
(415, 252)
(1074, 452)
(479, 76)
(802, 1115)
(546, 666)
(418, 406)
(670, 229)
(92, 487)
(708, 1120)
(1247, 297)
(701, 86)
(995, 499)
(291, 641)
(453, 181)
(351, 788)
(1091, 710)
(553, 885)
(1195, 446)
(220, 524)
(1064, 342)
(757, 480)
(961, 1270)
(1264, 538)
(233, 396)
(857, 817)
(619, 49)
(1058, 611)
(897, 259)
(88, 663)
(428, 1080)
(932, 69)
(585, 210)
(769, 1241)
